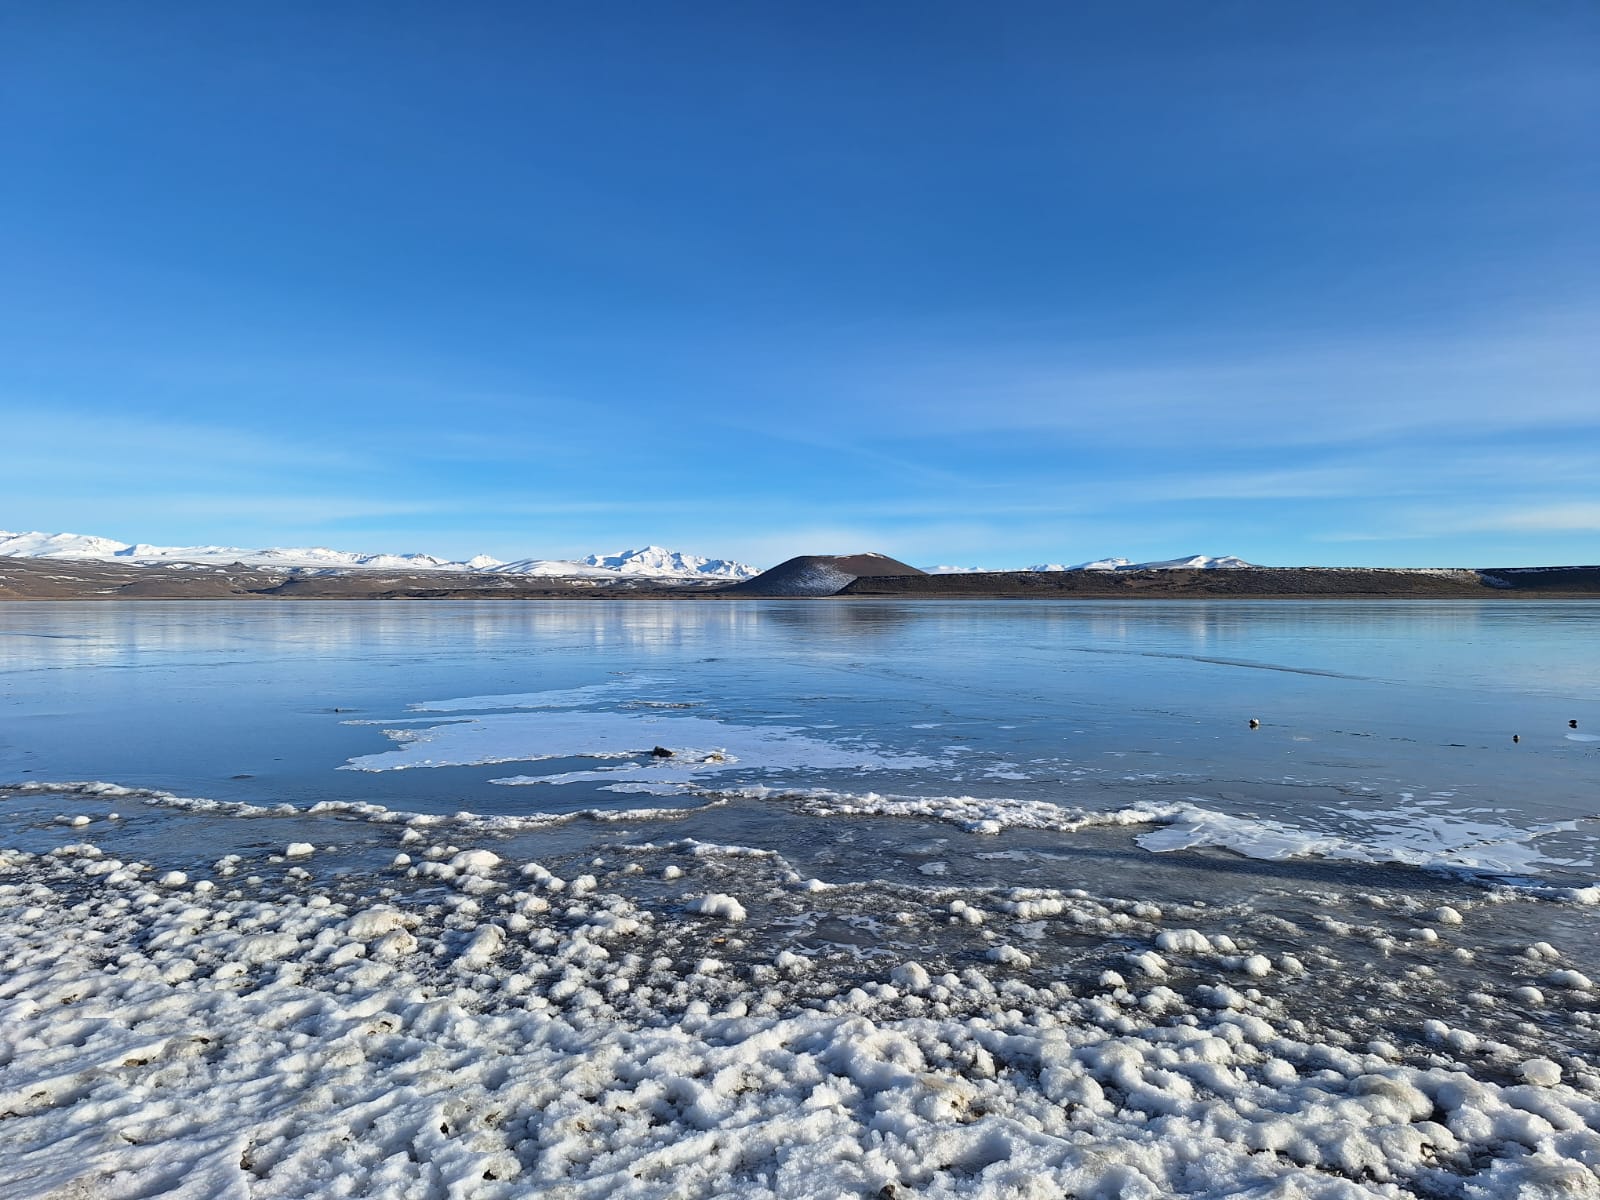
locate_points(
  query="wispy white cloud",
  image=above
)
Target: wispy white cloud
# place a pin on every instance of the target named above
(1209, 399)
(1559, 518)
(1436, 523)
(95, 444)
(302, 509)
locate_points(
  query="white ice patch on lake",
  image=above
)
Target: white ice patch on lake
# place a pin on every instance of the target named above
(1406, 834)
(555, 728)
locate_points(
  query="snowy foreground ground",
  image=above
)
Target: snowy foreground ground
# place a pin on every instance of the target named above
(465, 1022)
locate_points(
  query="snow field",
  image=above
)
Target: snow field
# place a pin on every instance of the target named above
(472, 1025)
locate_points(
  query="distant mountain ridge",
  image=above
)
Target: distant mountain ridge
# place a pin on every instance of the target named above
(1194, 562)
(651, 562)
(69, 567)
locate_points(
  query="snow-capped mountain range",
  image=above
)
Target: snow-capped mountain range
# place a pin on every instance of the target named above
(652, 562)
(1195, 562)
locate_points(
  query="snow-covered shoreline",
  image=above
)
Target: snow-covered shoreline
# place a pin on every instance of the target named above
(649, 1019)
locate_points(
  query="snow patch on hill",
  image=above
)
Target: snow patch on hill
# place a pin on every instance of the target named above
(1203, 562)
(58, 545)
(1194, 562)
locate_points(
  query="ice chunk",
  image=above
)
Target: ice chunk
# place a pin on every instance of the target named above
(475, 862)
(265, 947)
(1540, 1072)
(910, 976)
(1183, 941)
(1576, 981)
(1148, 963)
(718, 904)
(374, 922)
(484, 946)
(1010, 956)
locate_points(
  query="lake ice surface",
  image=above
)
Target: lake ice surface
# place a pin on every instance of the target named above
(911, 847)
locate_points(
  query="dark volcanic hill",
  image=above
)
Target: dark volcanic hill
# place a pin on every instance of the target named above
(820, 574)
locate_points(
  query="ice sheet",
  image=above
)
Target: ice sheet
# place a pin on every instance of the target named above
(699, 746)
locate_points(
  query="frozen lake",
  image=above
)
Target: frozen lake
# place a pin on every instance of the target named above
(1386, 728)
(1063, 803)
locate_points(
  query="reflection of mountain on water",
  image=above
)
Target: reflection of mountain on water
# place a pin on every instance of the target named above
(838, 619)
(1358, 638)
(135, 629)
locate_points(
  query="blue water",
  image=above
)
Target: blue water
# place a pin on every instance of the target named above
(1377, 719)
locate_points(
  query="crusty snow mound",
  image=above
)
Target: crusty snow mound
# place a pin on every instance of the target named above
(651, 562)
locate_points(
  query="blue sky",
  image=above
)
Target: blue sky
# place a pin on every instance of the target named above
(967, 283)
